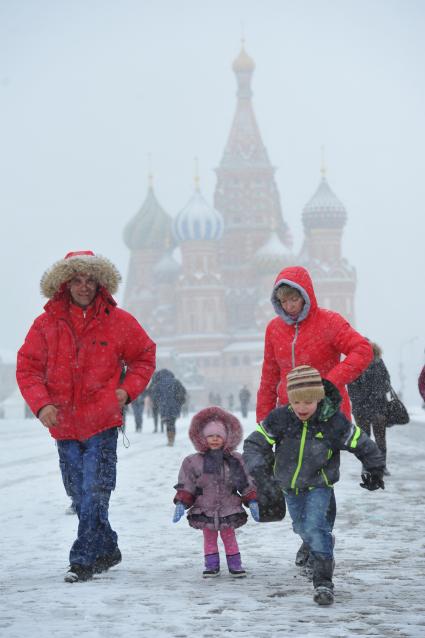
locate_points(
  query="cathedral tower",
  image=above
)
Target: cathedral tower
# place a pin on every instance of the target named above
(247, 197)
(324, 218)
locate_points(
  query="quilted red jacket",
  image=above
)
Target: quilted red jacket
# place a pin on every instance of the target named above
(317, 338)
(78, 368)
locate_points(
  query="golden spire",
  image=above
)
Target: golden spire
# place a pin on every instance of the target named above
(196, 176)
(323, 165)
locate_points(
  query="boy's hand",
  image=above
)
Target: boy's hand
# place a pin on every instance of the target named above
(373, 480)
(178, 512)
(255, 511)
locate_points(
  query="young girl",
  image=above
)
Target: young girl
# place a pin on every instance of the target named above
(213, 484)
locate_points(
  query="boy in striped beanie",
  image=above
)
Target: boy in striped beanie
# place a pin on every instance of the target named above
(302, 442)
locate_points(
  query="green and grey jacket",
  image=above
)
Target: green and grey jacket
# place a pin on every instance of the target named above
(305, 454)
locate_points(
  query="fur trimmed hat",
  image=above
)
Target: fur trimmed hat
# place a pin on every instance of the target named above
(304, 383)
(214, 413)
(79, 262)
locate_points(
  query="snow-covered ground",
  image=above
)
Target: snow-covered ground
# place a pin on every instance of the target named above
(158, 591)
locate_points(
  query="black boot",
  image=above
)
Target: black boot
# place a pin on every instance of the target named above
(322, 581)
(301, 556)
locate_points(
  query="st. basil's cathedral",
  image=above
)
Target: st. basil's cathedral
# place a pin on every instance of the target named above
(200, 282)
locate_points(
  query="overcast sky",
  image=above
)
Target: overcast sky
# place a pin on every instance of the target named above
(89, 88)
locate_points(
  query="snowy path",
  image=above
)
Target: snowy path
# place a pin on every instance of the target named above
(158, 591)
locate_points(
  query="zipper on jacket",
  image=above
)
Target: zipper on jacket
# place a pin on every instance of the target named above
(293, 345)
(300, 454)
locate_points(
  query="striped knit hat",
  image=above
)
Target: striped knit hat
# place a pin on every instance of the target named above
(304, 384)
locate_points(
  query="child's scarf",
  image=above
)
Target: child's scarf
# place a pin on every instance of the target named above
(213, 464)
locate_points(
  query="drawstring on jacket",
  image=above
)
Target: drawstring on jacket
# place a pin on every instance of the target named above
(293, 345)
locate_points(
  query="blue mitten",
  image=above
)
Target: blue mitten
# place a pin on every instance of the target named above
(255, 511)
(178, 512)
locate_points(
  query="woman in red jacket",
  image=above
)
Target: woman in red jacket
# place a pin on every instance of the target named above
(305, 334)
(69, 371)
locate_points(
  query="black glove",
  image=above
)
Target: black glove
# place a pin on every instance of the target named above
(373, 480)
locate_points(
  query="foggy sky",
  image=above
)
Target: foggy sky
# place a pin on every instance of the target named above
(89, 88)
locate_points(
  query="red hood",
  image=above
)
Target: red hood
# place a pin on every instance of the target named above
(299, 278)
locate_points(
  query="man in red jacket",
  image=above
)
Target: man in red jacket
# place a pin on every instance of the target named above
(305, 334)
(69, 371)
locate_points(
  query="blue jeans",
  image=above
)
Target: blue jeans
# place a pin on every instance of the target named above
(310, 519)
(89, 474)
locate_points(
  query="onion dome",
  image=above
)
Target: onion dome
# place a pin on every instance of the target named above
(243, 63)
(198, 220)
(167, 268)
(324, 210)
(150, 227)
(271, 254)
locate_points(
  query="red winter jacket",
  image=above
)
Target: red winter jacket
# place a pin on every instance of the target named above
(317, 338)
(77, 367)
(421, 383)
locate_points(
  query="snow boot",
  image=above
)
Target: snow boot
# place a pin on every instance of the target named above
(78, 574)
(235, 566)
(323, 595)
(170, 438)
(103, 563)
(322, 580)
(302, 555)
(212, 566)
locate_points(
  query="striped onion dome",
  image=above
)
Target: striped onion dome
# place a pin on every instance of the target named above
(324, 210)
(198, 220)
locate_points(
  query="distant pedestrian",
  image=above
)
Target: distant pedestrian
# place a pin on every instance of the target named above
(244, 398)
(212, 485)
(169, 394)
(230, 402)
(138, 406)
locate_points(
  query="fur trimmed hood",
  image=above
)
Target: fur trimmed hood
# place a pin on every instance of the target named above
(199, 421)
(74, 263)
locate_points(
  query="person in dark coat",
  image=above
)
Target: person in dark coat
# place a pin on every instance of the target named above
(169, 394)
(368, 395)
(138, 406)
(302, 441)
(244, 397)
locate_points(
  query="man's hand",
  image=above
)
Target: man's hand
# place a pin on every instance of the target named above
(122, 397)
(48, 416)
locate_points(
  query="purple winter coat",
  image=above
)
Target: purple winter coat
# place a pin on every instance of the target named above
(212, 499)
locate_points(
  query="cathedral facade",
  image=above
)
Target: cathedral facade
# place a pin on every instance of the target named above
(200, 282)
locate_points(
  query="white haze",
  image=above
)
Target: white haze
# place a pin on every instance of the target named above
(89, 88)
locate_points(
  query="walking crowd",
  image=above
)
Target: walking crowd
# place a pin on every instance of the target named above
(85, 361)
